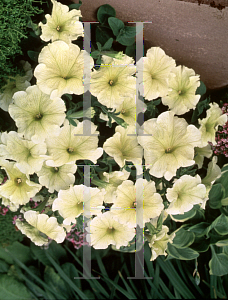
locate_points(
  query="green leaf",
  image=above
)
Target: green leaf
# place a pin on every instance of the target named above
(131, 50)
(223, 180)
(33, 55)
(99, 46)
(201, 244)
(126, 36)
(12, 289)
(72, 122)
(4, 267)
(181, 253)
(116, 25)
(222, 243)
(104, 12)
(20, 251)
(71, 272)
(218, 264)
(56, 282)
(225, 168)
(183, 238)
(65, 277)
(199, 109)
(199, 229)
(224, 201)
(103, 34)
(184, 217)
(201, 90)
(108, 45)
(216, 194)
(95, 54)
(221, 225)
(174, 278)
(75, 5)
(56, 250)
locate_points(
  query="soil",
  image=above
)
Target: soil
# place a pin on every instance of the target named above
(219, 4)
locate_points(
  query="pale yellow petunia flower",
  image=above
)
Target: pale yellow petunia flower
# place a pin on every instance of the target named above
(154, 71)
(39, 224)
(27, 154)
(185, 193)
(169, 144)
(61, 69)
(18, 188)
(181, 98)
(105, 230)
(209, 125)
(158, 242)
(77, 200)
(142, 196)
(57, 178)
(72, 145)
(113, 82)
(62, 24)
(36, 116)
(123, 146)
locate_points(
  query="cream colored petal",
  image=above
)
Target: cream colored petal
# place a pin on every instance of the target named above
(57, 178)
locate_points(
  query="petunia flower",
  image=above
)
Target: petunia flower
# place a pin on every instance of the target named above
(105, 230)
(61, 69)
(200, 153)
(169, 145)
(185, 193)
(209, 125)
(27, 154)
(17, 83)
(18, 189)
(158, 242)
(181, 96)
(57, 178)
(68, 147)
(123, 146)
(213, 172)
(113, 82)
(71, 203)
(12, 206)
(155, 69)
(62, 24)
(36, 116)
(114, 179)
(142, 196)
(127, 110)
(39, 224)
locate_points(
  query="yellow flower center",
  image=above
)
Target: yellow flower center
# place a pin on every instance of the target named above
(70, 150)
(134, 204)
(179, 92)
(110, 230)
(111, 82)
(58, 28)
(123, 111)
(18, 181)
(168, 150)
(38, 116)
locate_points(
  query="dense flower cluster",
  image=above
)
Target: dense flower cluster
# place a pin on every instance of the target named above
(45, 150)
(221, 138)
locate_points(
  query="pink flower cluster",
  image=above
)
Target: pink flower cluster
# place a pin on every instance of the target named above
(76, 238)
(222, 137)
(17, 217)
(3, 210)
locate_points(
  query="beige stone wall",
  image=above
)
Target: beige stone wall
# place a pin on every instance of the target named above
(195, 35)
